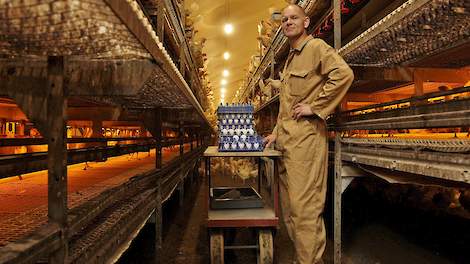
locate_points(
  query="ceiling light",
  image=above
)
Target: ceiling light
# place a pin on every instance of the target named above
(222, 90)
(226, 55)
(225, 73)
(223, 82)
(228, 28)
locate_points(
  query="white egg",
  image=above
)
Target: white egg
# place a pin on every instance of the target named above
(234, 145)
(236, 137)
(256, 145)
(241, 145)
(248, 145)
(243, 137)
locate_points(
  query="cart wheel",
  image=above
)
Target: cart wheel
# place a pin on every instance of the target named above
(265, 254)
(217, 247)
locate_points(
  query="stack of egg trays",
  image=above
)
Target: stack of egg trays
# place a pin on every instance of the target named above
(236, 129)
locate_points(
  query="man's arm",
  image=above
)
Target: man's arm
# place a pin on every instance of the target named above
(339, 79)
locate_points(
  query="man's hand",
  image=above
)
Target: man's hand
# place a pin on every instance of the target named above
(301, 110)
(269, 140)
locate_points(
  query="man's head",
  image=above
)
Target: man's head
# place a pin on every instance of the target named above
(294, 21)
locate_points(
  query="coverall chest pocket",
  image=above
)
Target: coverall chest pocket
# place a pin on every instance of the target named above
(297, 81)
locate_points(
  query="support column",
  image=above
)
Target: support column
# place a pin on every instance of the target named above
(159, 200)
(419, 84)
(337, 200)
(158, 138)
(161, 20)
(337, 170)
(57, 154)
(181, 190)
(181, 137)
(191, 138)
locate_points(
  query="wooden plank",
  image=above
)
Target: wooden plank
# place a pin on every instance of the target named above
(212, 151)
(57, 153)
(244, 223)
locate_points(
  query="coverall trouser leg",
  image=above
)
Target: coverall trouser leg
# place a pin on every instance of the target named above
(303, 187)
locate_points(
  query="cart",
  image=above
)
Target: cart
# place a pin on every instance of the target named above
(263, 219)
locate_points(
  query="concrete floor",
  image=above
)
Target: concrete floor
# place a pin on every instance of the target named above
(373, 233)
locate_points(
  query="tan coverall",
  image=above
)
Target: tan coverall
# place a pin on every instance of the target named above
(316, 75)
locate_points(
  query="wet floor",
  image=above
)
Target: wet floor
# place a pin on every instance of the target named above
(373, 232)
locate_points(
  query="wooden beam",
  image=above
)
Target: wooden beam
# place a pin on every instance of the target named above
(408, 74)
(94, 113)
(57, 154)
(84, 78)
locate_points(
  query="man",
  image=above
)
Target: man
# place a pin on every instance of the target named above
(314, 81)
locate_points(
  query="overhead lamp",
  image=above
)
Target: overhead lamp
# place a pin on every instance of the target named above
(225, 73)
(228, 29)
(226, 55)
(223, 82)
(222, 90)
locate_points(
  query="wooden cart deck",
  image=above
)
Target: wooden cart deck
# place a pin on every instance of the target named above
(212, 151)
(251, 217)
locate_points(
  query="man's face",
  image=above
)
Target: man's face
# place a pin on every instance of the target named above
(294, 22)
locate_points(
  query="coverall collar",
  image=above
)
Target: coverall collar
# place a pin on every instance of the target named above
(302, 44)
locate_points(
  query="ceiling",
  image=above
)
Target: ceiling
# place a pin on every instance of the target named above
(209, 19)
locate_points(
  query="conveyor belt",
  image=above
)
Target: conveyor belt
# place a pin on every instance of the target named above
(440, 145)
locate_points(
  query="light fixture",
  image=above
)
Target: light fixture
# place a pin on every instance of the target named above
(223, 82)
(226, 55)
(222, 90)
(228, 28)
(225, 73)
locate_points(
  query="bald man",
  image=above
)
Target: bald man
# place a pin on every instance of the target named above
(314, 81)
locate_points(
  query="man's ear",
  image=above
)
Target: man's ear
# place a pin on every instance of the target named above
(306, 22)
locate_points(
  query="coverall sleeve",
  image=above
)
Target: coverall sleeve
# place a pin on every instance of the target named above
(274, 130)
(339, 77)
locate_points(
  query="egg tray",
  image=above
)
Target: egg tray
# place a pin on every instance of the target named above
(240, 150)
(235, 198)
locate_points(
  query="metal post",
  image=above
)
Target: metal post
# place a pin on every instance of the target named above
(57, 153)
(337, 170)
